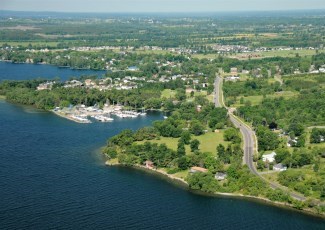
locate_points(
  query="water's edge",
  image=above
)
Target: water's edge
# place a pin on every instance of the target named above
(180, 183)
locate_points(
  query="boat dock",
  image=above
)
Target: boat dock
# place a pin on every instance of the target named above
(81, 113)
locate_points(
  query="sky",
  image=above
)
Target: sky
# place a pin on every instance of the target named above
(159, 5)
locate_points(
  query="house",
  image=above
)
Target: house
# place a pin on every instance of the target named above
(89, 82)
(232, 78)
(133, 68)
(149, 164)
(269, 157)
(292, 143)
(45, 86)
(196, 169)
(220, 176)
(198, 108)
(233, 71)
(279, 167)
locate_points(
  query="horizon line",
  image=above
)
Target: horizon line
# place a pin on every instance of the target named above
(161, 12)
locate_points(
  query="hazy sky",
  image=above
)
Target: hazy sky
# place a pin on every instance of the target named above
(158, 5)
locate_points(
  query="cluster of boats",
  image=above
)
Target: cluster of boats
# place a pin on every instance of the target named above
(81, 119)
(102, 118)
(128, 114)
(83, 114)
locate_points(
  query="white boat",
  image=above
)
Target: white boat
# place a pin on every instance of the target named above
(143, 113)
(80, 119)
(102, 118)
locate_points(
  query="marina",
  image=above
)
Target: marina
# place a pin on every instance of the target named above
(83, 114)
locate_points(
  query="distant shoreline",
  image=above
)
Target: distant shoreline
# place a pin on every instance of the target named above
(182, 182)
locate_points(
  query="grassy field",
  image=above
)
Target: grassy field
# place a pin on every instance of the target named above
(208, 142)
(168, 93)
(207, 56)
(33, 43)
(210, 97)
(152, 51)
(255, 100)
(197, 93)
(277, 53)
(308, 144)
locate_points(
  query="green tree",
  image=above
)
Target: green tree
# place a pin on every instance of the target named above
(194, 145)
(181, 149)
(186, 137)
(196, 128)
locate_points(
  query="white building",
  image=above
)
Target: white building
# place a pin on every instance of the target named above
(269, 157)
(279, 167)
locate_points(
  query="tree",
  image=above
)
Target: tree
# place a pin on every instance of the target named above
(183, 163)
(223, 154)
(267, 140)
(232, 135)
(197, 128)
(186, 137)
(181, 149)
(194, 145)
(273, 125)
(281, 155)
(296, 128)
(322, 193)
(260, 164)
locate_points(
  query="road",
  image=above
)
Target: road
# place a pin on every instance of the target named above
(249, 141)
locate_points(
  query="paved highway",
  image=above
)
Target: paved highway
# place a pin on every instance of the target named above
(249, 140)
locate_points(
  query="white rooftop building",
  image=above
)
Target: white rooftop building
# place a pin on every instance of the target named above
(269, 157)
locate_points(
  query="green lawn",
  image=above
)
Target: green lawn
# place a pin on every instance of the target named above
(308, 144)
(255, 100)
(210, 97)
(168, 93)
(208, 142)
(278, 53)
(152, 51)
(198, 93)
(34, 43)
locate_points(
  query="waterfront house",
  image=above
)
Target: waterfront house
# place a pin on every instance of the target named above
(149, 164)
(45, 86)
(279, 167)
(220, 176)
(269, 157)
(196, 169)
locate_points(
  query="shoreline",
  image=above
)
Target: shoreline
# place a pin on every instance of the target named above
(183, 183)
(68, 117)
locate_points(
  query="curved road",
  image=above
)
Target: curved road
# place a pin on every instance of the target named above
(248, 138)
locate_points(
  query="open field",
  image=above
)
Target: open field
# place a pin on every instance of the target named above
(152, 51)
(208, 142)
(277, 53)
(255, 100)
(33, 43)
(168, 93)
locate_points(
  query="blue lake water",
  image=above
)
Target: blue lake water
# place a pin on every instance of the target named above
(52, 176)
(29, 71)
